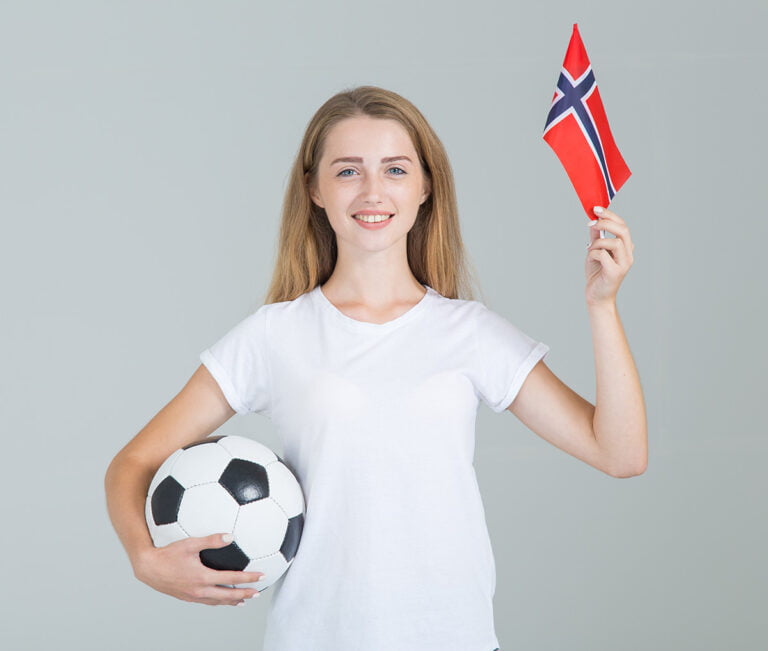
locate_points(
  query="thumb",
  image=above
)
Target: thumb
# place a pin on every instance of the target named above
(211, 542)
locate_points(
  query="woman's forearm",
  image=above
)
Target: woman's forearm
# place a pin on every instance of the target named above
(619, 420)
(126, 484)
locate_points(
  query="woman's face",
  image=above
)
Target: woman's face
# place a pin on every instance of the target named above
(380, 173)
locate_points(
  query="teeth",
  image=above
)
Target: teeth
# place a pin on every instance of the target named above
(371, 218)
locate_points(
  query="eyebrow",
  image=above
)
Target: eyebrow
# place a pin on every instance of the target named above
(357, 159)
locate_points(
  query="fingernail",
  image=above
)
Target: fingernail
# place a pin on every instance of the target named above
(598, 209)
(242, 603)
(227, 538)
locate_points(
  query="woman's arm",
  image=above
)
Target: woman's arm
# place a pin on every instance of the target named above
(126, 484)
(611, 435)
(199, 409)
(619, 420)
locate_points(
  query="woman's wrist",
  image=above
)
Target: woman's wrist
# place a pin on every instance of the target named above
(139, 559)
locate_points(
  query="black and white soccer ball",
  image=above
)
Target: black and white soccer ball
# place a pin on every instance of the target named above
(229, 484)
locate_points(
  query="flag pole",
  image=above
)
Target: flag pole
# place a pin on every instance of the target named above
(601, 231)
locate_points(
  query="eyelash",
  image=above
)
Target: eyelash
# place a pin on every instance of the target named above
(349, 169)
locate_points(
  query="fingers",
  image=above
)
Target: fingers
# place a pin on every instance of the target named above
(611, 222)
(176, 569)
(607, 252)
(621, 232)
(220, 596)
(213, 541)
(213, 591)
(234, 577)
(594, 234)
(604, 213)
(612, 249)
(213, 586)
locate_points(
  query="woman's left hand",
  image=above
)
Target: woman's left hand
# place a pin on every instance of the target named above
(609, 258)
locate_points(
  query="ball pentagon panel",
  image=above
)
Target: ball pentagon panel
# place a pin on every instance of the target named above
(245, 480)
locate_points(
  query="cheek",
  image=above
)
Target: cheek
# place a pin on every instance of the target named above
(341, 196)
(410, 197)
(415, 190)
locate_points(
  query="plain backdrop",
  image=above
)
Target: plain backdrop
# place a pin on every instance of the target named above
(144, 152)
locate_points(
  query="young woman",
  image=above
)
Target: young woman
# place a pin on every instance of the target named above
(372, 367)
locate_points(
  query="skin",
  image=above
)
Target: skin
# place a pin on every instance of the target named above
(371, 280)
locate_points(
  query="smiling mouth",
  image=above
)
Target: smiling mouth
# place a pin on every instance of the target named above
(372, 219)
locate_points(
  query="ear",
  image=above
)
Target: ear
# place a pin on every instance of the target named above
(427, 191)
(312, 193)
(316, 199)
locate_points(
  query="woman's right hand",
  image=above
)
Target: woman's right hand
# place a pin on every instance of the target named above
(177, 570)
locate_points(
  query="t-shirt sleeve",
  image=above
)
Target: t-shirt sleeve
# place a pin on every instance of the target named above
(504, 357)
(240, 365)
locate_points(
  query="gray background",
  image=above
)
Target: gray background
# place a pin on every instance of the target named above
(144, 151)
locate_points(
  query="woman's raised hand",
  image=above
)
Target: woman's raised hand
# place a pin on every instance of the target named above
(609, 259)
(177, 570)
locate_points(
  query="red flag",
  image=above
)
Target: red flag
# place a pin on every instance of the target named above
(578, 132)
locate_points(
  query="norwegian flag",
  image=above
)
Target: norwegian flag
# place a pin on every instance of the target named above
(578, 132)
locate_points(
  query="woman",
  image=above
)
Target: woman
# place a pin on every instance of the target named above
(373, 367)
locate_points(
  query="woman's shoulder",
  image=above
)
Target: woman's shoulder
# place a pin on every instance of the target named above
(475, 312)
(461, 308)
(455, 303)
(289, 309)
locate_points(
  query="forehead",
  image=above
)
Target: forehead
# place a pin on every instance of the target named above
(368, 137)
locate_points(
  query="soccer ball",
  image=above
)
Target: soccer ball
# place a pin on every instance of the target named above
(229, 484)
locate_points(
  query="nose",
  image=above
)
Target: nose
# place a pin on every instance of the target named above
(372, 189)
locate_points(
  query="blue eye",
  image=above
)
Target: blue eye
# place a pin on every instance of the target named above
(341, 173)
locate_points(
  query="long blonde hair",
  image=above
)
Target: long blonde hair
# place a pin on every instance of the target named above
(306, 253)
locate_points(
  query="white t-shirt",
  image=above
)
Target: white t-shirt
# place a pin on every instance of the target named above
(378, 424)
